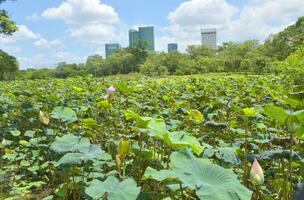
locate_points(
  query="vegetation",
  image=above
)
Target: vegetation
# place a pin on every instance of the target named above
(174, 138)
(73, 136)
(7, 26)
(281, 45)
(9, 66)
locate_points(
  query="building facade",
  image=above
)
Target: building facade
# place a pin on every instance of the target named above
(209, 37)
(111, 48)
(145, 34)
(172, 47)
(133, 37)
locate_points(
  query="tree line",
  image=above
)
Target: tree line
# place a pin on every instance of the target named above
(249, 56)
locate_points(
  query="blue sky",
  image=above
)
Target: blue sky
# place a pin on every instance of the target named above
(52, 31)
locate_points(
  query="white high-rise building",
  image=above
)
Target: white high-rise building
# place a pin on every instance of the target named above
(209, 37)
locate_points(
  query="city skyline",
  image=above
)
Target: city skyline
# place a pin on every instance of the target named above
(64, 30)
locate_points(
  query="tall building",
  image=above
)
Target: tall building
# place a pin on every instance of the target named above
(143, 33)
(209, 37)
(133, 37)
(172, 47)
(111, 48)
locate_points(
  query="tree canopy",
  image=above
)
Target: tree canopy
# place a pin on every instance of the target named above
(281, 45)
(7, 26)
(9, 66)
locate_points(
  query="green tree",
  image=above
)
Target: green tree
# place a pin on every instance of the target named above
(121, 62)
(64, 70)
(7, 26)
(153, 66)
(293, 67)
(281, 45)
(233, 53)
(9, 66)
(195, 51)
(94, 63)
(140, 54)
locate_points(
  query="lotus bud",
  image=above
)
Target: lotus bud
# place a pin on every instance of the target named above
(256, 174)
(43, 118)
(111, 90)
(123, 147)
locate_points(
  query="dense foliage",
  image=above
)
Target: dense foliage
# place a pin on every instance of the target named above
(9, 66)
(7, 26)
(177, 138)
(293, 67)
(281, 45)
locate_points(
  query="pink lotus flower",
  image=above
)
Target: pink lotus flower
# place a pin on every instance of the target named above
(256, 173)
(111, 90)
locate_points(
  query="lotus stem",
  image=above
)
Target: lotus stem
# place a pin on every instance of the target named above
(181, 190)
(245, 154)
(290, 165)
(257, 192)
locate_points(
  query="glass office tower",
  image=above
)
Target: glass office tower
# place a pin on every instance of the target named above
(172, 47)
(133, 37)
(143, 33)
(111, 48)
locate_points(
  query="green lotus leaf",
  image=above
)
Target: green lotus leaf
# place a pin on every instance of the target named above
(113, 189)
(72, 159)
(141, 152)
(181, 139)
(161, 175)
(196, 116)
(15, 133)
(209, 181)
(276, 113)
(228, 155)
(65, 114)
(158, 129)
(70, 143)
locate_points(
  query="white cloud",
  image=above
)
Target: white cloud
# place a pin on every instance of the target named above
(83, 12)
(203, 13)
(98, 34)
(43, 43)
(92, 21)
(257, 19)
(25, 34)
(22, 34)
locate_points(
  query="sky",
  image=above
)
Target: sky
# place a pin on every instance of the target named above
(53, 31)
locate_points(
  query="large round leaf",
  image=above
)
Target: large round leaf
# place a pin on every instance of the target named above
(181, 139)
(158, 129)
(115, 190)
(70, 143)
(210, 181)
(65, 114)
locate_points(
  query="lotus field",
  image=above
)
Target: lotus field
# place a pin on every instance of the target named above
(230, 137)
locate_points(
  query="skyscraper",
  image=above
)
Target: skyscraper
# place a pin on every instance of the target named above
(133, 37)
(143, 33)
(209, 37)
(172, 47)
(111, 48)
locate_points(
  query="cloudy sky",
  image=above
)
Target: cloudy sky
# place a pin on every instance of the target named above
(51, 31)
